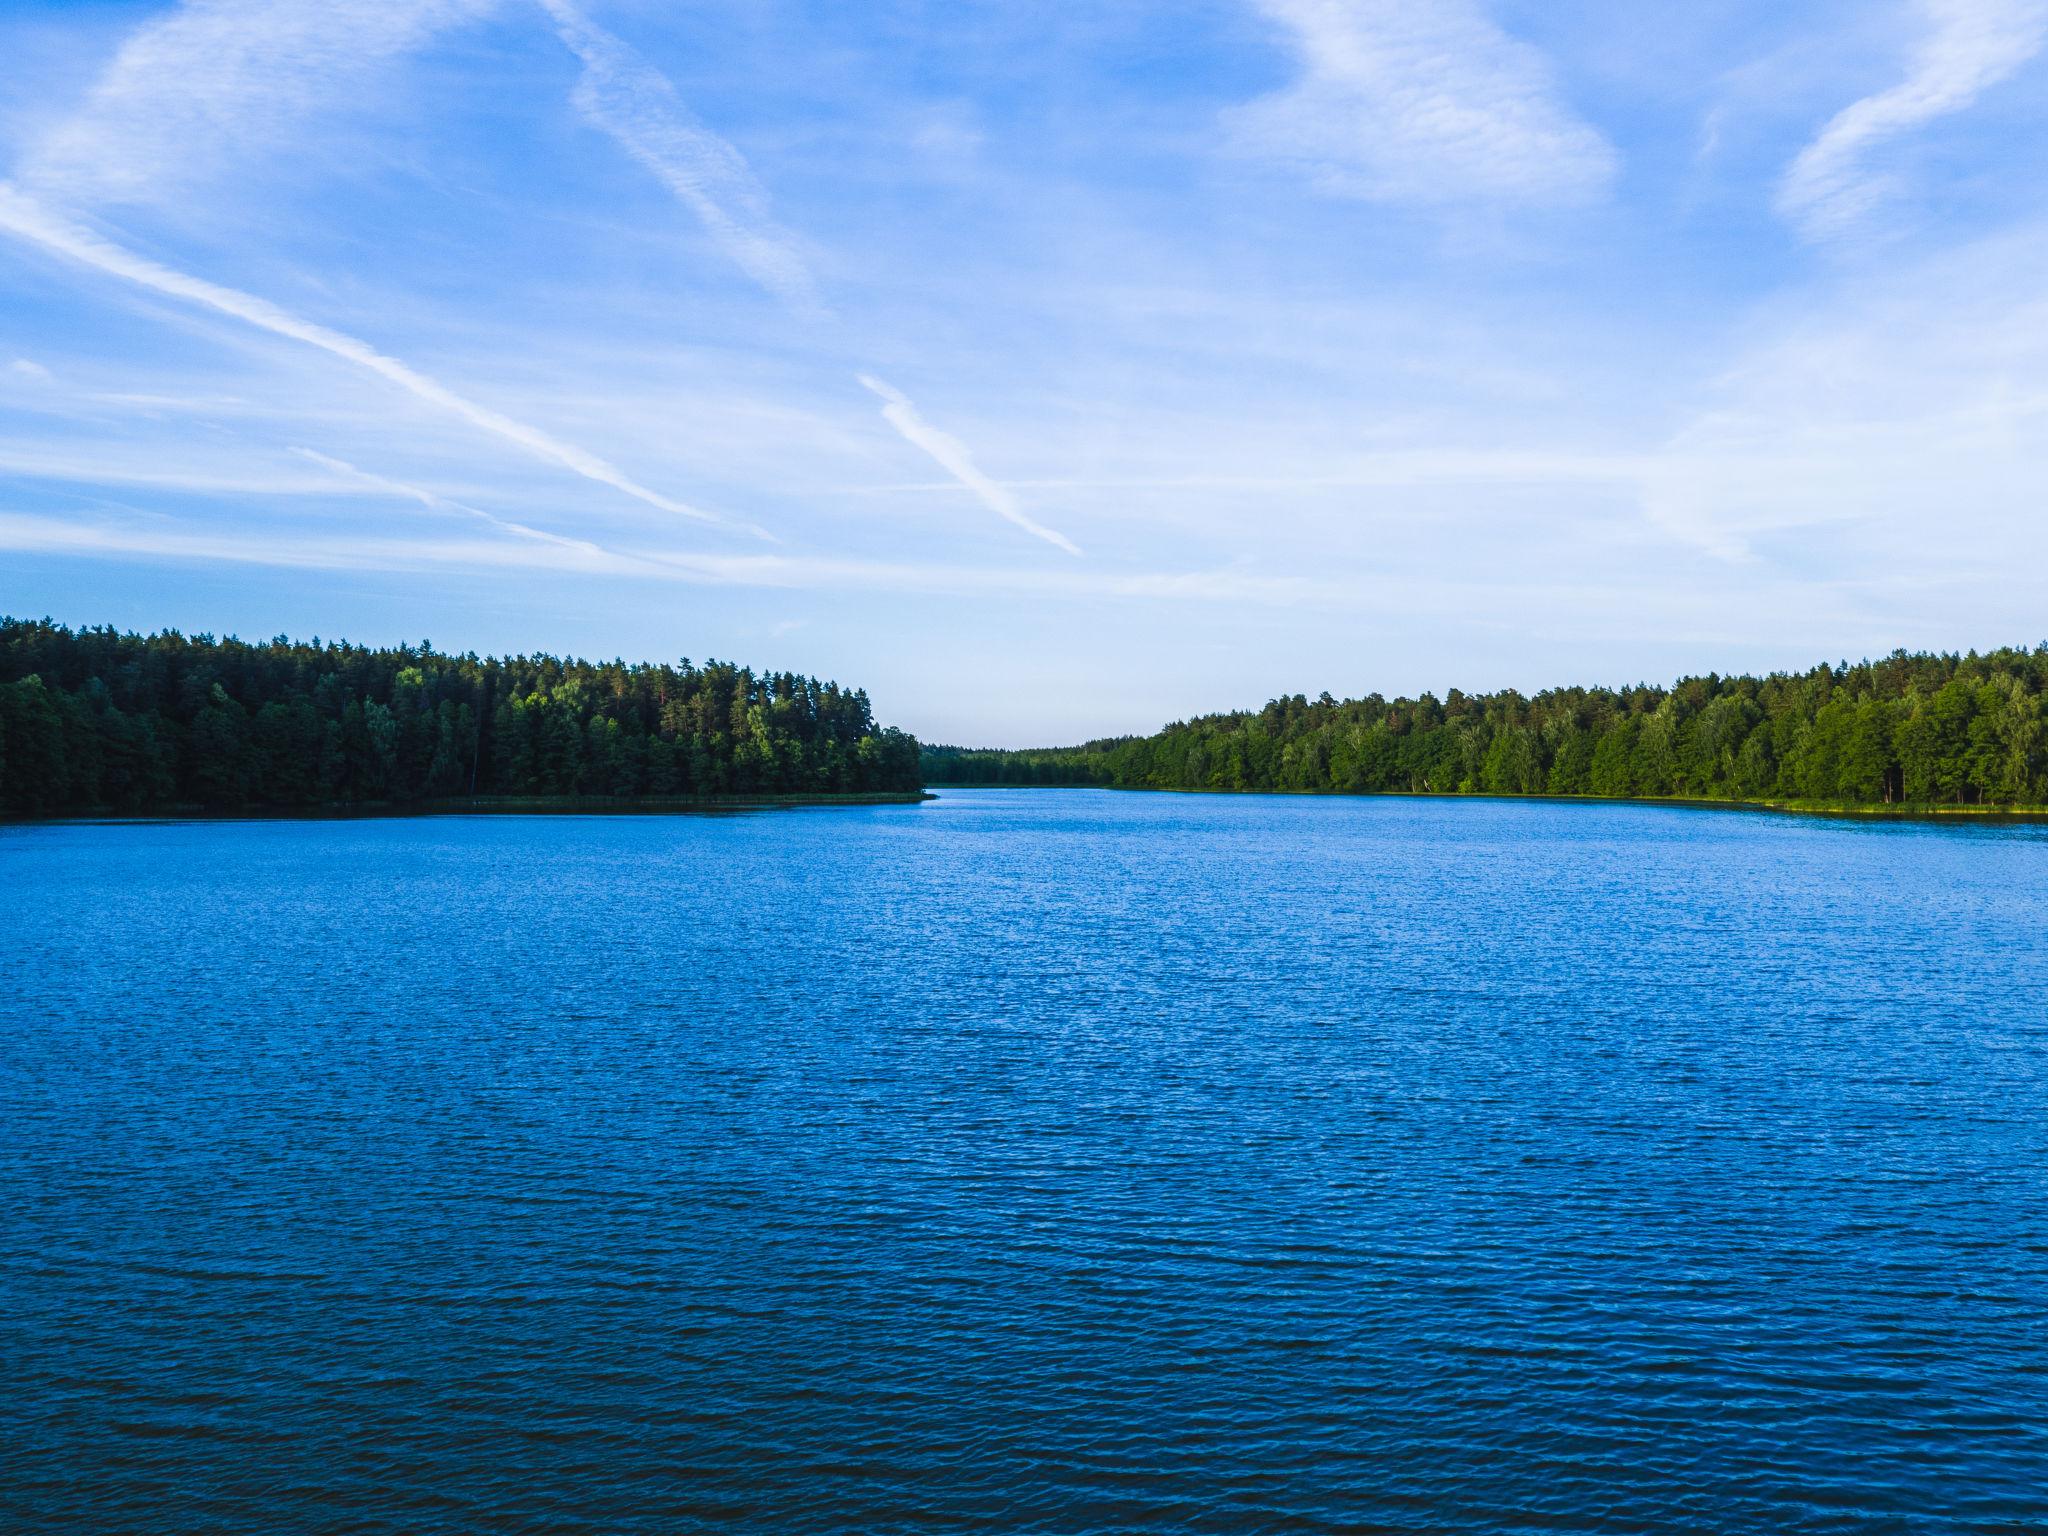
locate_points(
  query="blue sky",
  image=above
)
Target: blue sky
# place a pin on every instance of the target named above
(1049, 370)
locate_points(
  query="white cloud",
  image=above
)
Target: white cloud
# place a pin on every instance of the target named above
(23, 218)
(28, 368)
(1969, 46)
(217, 83)
(635, 103)
(952, 455)
(1405, 467)
(158, 537)
(149, 466)
(32, 533)
(1900, 426)
(1818, 613)
(1422, 103)
(434, 501)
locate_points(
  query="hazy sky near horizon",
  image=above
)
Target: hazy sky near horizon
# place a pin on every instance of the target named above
(1048, 370)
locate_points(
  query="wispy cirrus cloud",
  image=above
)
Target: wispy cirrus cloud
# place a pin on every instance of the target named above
(22, 217)
(637, 105)
(1600, 446)
(29, 532)
(221, 82)
(1969, 46)
(1922, 427)
(162, 538)
(1433, 103)
(952, 455)
(1435, 597)
(434, 501)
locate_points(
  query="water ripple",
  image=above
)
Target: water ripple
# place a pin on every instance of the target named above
(1026, 1162)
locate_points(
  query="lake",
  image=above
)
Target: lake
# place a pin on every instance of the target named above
(1043, 1160)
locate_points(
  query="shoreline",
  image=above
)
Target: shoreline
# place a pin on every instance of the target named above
(684, 805)
(493, 805)
(1839, 810)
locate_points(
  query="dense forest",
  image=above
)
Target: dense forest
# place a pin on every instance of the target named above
(93, 720)
(1910, 729)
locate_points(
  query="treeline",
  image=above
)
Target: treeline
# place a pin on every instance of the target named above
(93, 720)
(986, 766)
(1910, 729)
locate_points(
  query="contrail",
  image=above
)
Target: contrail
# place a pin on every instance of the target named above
(636, 104)
(23, 217)
(439, 503)
(951, 455)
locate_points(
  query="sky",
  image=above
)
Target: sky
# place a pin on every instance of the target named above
(1050, 371)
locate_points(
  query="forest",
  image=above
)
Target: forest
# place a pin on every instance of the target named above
(95, 721)
(1928, 730)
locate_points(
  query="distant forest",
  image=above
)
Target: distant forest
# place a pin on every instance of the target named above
(98, 721)
(92, 720)
(1910, 729)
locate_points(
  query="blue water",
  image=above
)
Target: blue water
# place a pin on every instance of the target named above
(1054, 1161)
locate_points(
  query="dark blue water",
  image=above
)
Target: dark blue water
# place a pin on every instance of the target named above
(1032, 1161)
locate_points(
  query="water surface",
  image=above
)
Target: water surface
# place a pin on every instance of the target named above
(1051, 1161)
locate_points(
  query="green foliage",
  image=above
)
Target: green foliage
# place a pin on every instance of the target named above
(1057, 766)
(1918, 729)
(93, 720)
